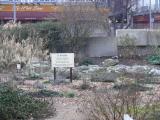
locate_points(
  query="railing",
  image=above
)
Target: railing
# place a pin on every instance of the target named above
(98, 2)
(147, 8)
(27, 1)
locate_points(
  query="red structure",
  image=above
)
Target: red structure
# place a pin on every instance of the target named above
(36, 12)
(29, 12)
(145, 18)
(142, 20)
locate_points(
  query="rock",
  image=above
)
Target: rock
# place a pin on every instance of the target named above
(39, 85)
(102, 75)
(119, 68)
(93, 68)
(110, 62)
(124, 81)
(82, 68)
(153, 79)
(154, 72)
(138, 69)
(135, 69)
(29, 82)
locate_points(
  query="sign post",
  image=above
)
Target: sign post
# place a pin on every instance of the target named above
(71, 75)
(59, 60)
(54, 74)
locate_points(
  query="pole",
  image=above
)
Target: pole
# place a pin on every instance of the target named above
(14, 11)
(71, 75)
(54, 74)
(150, 15)
(143, 3)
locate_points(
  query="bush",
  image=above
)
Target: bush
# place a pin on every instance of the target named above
(84, 86)
(49, 93)
(34, 76)
(128, 46)
(154, 59)
(47, 82)
(56, 37)
(86, 62)
(15, 104)
(50, 32)
(69, 94)
(113, 106)
(46, 93)
(103, 75)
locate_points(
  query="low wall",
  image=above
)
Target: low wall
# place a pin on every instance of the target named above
(101, 46)
(141, 37)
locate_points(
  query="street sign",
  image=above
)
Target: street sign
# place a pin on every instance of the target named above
(62, 60)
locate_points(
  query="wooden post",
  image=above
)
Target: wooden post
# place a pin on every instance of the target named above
(54, 74)
(71, 75)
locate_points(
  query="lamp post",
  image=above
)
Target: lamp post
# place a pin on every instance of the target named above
(150, 15)
(14, 11)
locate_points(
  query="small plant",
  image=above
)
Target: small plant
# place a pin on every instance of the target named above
(69, 94)
(154, 59)
(46, 82)
(49, 93)
(46, 93)
(84, 86)
(34, 76)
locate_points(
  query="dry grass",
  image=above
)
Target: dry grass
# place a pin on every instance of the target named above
(12, 52)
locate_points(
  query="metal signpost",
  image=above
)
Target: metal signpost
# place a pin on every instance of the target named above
(150, 15)
(59, 60)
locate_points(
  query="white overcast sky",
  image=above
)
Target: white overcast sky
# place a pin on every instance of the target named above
(146, 2)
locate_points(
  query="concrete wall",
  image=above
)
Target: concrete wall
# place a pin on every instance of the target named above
(144, 39)
(141, 37)
(101, 46)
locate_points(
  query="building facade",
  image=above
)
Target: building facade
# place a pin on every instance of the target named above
(38, 10)
(141, 18)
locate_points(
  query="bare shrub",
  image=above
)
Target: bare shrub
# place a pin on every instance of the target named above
(114, 104)
(128, 46)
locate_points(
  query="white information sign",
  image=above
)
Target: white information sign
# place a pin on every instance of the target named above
(62, 59)
(18, 66)
(127, 117)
